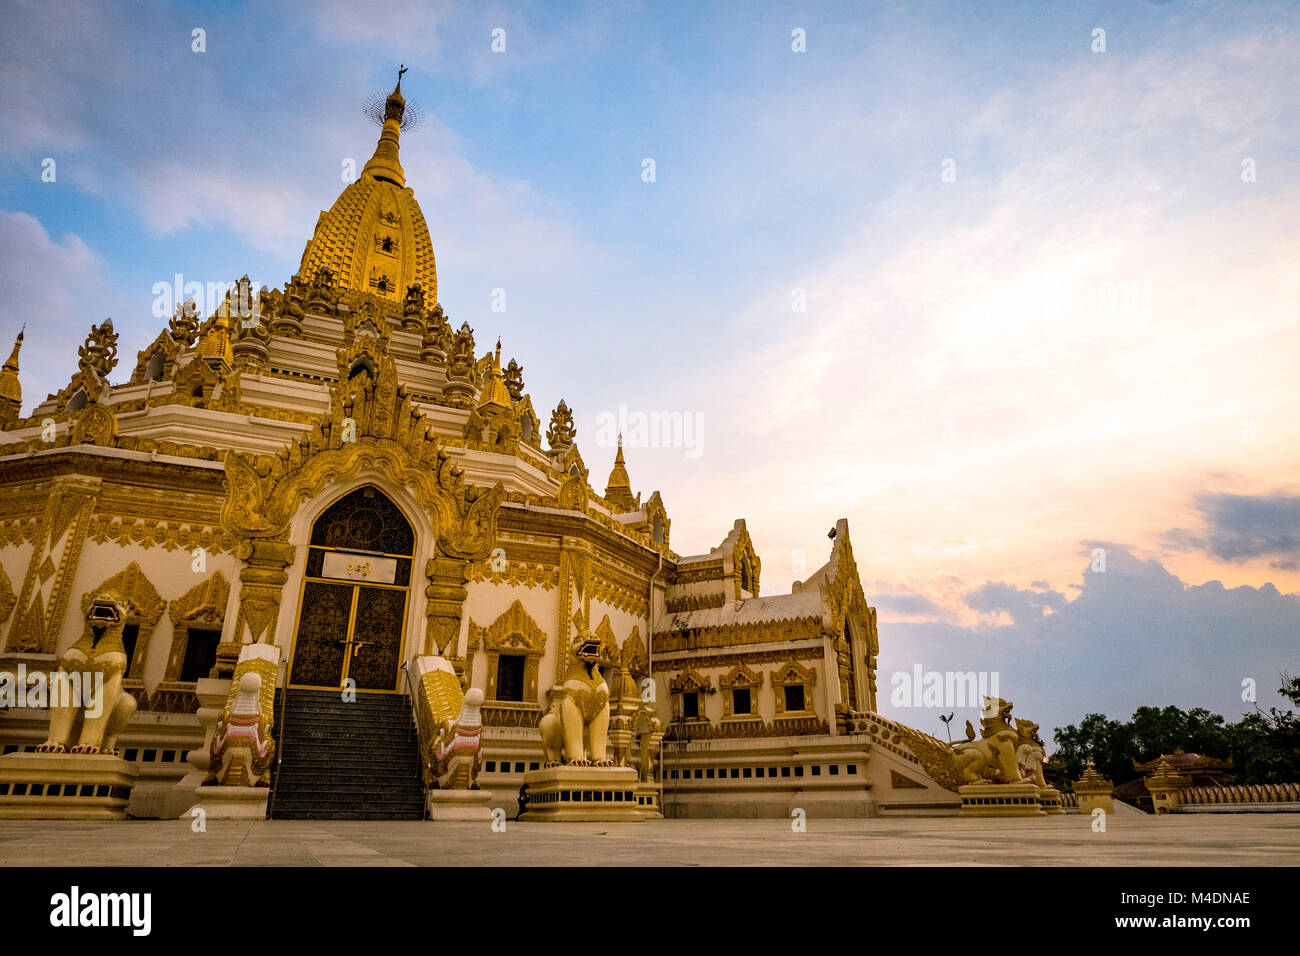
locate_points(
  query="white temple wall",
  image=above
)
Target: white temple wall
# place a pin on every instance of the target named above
(170, 572)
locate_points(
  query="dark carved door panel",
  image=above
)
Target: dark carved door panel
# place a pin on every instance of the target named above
(321, 643)
(377, 638)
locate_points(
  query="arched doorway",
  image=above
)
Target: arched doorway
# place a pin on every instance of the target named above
(352, 613)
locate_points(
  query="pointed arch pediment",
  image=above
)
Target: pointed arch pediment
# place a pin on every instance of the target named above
(203, 603)
(608, 642)
(132, 586)
(793, 672)
(513, 630)
(634, 656)
(741, 676)
(372, 423)
(689, 680)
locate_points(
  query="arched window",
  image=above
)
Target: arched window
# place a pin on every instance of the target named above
(364, 520)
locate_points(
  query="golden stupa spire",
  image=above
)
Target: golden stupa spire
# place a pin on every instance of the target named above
(385, 164)
(618, 478)
(374, 239)
(11, 391)
(495, 391)
(618, 492)
(214, 347)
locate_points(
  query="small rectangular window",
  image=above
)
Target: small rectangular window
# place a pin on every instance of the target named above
(794, 697)
(691, 706)
(740, 701)
(200, 653)
(510, 677)
(130, 634)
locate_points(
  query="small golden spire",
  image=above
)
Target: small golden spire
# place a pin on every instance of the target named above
(384, 164)
(618, 492)
(11, 391)
(215, 346)
(495, 391)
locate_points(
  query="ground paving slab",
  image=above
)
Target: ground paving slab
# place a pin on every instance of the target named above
(1201, 840)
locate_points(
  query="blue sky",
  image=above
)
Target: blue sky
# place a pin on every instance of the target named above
(954, 387)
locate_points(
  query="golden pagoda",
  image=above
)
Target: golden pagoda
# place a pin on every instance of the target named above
(339, 492)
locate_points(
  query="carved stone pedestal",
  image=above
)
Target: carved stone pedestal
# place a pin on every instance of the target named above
(212, 694)
(1050, 798)
(37, 786)
(458, 804)
(568, 793)
(1000, 800)
(230, 803)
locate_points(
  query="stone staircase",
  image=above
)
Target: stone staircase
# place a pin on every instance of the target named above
(346, 761)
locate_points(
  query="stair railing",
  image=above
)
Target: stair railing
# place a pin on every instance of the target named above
(282, 685)
(422, 733)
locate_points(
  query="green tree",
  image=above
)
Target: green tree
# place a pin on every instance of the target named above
(1264, 746)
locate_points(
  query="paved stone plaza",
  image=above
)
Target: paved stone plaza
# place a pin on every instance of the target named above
(1219, 840)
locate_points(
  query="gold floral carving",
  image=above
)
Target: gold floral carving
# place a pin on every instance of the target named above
(68, 509)
(169, 536)
(446, 598)
(747, 729)
(573, 494)
(751, 632)
(620, 594)
(752, 658)
(704, 571)
(7, 597)
(18, 531)
(695, 602)
(95, 426)
(515, 574)
(371, 424)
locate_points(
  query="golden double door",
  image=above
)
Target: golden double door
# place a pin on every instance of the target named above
(351, 617)
(348, 631)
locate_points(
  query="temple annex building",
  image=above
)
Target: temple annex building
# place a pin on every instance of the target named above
(339, 492)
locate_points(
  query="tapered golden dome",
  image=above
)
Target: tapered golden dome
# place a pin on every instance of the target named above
(374, 238)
